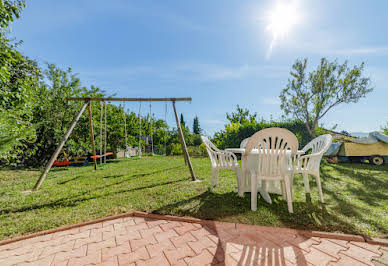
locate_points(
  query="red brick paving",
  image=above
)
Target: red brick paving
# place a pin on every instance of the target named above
(145, 241)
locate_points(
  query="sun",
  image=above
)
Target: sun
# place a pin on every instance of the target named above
(282, 19)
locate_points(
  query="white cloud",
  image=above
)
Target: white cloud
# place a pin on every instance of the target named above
(382, 50)
(190, 71)
(270, 100)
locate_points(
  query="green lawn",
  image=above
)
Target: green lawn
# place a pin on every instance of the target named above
(356, 197)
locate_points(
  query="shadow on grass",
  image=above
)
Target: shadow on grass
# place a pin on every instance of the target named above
(75, 200)
(308, 214)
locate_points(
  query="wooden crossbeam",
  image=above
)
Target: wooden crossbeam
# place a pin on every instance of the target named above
(129, 99)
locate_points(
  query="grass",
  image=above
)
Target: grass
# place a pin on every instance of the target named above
(356, 197)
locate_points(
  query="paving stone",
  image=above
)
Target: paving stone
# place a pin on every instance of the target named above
(139, 254)
(180, 241)
(329, 248)
(154, 223)
(98, 246)
(364, 245)
(201, 244)
(162, 236)
(91, 239)
(360, 254)
(346, 261)
(114, 251)
(316, 257)
(58, 248)
(94, 258)
(170, 225)
(176, 256)
(46, 261)
(142, 242)
(74, 253)
(131, 235)
(218, 253)
(150, 231)
(204, 258)
(186, 227)
(159, 260)
(145, 241)
(202, 232)
(158, 248)
(112, 261)
(383, 259)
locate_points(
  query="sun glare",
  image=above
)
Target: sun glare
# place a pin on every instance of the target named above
(281, 20)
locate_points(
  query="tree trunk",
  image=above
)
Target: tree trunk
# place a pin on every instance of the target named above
(311, 132)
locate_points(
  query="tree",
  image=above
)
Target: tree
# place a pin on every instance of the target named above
(309, 96)
(196, 128)
(385, 129)
(241, 116)
(183, 123)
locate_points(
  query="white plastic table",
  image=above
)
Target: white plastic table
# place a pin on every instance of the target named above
(264, 186)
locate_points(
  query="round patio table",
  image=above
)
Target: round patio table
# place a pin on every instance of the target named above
(264, 186)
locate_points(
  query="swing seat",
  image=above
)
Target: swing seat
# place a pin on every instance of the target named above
(100, 156)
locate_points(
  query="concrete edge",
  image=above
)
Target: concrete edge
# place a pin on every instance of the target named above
(339, 236)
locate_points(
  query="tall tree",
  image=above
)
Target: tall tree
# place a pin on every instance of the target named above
(183, 123)
(309, 96)
(196, 128)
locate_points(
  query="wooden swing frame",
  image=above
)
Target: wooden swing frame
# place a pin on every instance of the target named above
(86, 103)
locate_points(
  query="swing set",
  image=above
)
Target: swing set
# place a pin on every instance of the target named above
(103, 154)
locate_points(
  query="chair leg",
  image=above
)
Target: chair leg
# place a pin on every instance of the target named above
(239, 182)
(216, 176)
(253, 192)
(318, 179)
(306, 182)
(288, 192)
(283, 190)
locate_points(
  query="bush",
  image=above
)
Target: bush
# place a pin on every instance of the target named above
(197, 151)
(234, 133)
(176, 149)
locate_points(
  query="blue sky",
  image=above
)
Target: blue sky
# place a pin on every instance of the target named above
(216, 51)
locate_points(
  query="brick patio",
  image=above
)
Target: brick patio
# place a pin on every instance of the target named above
(145, 241)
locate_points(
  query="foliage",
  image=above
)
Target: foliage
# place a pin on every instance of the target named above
(176, 149)
(234, 132)
(182, 121)
(196, 127)
(197, 151)
(241, 116)
(9, 10)
(309, 96)
(385, 129)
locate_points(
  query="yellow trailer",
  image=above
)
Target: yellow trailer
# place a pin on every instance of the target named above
(376, 153)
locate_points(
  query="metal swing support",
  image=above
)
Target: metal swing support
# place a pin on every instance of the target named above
(86, 103)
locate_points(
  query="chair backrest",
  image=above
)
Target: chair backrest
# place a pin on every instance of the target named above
(211, 150)
(276, 148)
(219, 158)
(243, 143)
(319, 145)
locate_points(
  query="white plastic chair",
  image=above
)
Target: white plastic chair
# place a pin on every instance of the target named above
(243, 143)
(221, 159)
(276, 148)
(309, 164)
